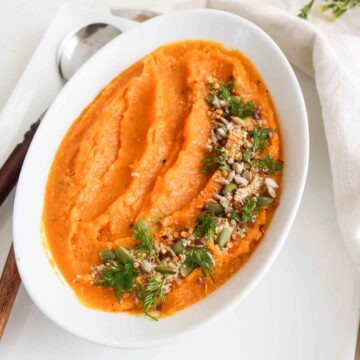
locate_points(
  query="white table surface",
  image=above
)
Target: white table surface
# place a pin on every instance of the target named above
(306, 307)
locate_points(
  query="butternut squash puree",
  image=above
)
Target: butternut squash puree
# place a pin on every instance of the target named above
(151, 121)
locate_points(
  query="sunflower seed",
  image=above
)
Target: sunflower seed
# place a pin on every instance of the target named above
(230, 176)
(216, 102)
(221, 132)
(222, 181)
(271, 192)
(271, 183)
(240, 180)
(229, 126)
(237, 120)
(238, 167)
(224, 121)
(146, 266)
(209, 148)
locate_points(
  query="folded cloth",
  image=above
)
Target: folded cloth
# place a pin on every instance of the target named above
(330, 52)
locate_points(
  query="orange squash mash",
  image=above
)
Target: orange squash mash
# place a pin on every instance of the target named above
(136, 153)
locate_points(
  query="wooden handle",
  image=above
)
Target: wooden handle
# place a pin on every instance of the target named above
(10, 171)
(9, 174)
(9, 285)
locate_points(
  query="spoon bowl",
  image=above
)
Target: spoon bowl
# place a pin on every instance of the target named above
(78, 46)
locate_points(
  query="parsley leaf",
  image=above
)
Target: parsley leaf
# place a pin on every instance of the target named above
(145, 243)
(268, 164)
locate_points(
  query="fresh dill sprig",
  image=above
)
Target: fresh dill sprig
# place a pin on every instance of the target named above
(224, 92)
(200, 256)
(260, 138)
(145, 242)
(305, 10)
(268, 164)
(205, 226)
(249, 211)
(118, 276)
(218, 159)
(152, 294)
(239, 108)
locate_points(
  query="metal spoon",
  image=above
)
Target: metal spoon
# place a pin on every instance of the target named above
(77, 47)
(80, 45)
(74, 50)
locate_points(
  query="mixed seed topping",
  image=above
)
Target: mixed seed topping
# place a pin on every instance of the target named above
(238, 159)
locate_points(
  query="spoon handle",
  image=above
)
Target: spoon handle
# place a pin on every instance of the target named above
(9, 173)
(9, 285)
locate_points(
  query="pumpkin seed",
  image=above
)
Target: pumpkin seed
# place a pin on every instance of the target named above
(186, 269)
(122, 255)
(178, 247)
(107, 255)
(229, 188)
(165, 269)
(214, 208)
(224, 235)
(264, 200)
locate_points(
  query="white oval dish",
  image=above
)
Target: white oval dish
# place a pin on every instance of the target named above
(45, 285)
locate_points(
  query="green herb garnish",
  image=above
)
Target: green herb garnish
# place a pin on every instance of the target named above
(336, 7)
(152, 294)
(239, 108)
(117, 275)
(249, 211)
(218, 159)
(267, 163)
(260, 138)
(305, 10)
(235, 216)
(145, 243)
(225, 91)
(200, 256)
(205, 226)
(235, 104)
(339, 7)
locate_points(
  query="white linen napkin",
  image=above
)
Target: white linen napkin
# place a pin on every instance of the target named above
(330, 52)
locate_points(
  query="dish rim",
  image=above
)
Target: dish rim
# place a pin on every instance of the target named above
(273, 253)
